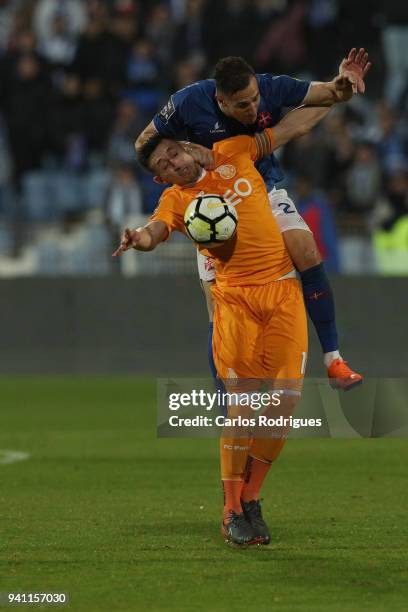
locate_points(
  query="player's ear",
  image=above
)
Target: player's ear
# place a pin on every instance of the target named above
(220, 99)
(157, 179)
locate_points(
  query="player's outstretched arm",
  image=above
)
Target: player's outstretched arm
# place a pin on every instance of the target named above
(296, 123)
(349, 81)
(142, 239)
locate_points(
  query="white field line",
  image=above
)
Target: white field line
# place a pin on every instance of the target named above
(9, 456)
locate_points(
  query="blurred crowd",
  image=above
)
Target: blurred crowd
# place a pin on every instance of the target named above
(79, 79)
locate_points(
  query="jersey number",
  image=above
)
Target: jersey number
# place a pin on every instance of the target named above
(286, 208)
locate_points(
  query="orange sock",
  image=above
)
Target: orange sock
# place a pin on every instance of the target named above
(234, 454)
(263, 452)
(232, 496)
(255, 474)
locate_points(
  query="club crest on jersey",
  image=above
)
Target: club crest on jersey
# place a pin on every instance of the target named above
(227, 171)
(264, 120)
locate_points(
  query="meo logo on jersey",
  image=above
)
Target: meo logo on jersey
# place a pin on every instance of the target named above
(227, 171)
(242, 189)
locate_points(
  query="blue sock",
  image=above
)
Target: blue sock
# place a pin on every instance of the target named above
(219, 385)
(320, 306)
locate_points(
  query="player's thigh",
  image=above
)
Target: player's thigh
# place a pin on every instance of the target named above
(298, 237)
(286, 340)
(302, 249)
(237, 336)
(285, 212)
(206, 287)
(206, 272)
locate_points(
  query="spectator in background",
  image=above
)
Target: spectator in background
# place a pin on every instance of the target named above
(310, 154)
(123, 205)
(8, 10)
(363, 179)
(24, 42)
(338, 139)
(316, 211)
(189, 36)
(322, 32)
(397, 197)
(390, 141)
(59, 47)
(395, 41)
(185, 73)
(124, 28)
(391, 240)
(127, 125)
(71, 12)
(101, 53)
(66, 124)
(22, 20)
(91, 57)
(228, 29)
(5, 168)
(26, 109)
(283, 45)
(159, 32)
(142, 68)
(264, 14)
(98, 119)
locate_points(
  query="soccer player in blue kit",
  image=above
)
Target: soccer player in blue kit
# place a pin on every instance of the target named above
(239, 101)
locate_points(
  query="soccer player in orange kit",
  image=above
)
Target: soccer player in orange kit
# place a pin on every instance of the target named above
(260, 328)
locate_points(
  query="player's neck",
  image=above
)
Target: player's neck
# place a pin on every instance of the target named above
(200, 175)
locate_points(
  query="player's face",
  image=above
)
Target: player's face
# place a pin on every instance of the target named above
(243, 105)
(173, 165)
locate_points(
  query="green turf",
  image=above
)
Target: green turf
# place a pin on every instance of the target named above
(124, 521)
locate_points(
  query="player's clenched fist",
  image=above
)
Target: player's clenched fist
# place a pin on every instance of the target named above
(129, 240)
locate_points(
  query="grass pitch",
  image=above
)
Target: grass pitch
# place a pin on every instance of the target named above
(124, 521)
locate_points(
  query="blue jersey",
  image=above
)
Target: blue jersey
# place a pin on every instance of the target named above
(193, 113)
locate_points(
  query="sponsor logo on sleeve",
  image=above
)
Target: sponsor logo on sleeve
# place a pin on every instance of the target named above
(167, 111)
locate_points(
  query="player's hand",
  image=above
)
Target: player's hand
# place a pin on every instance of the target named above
(200, 154)
(352, 71)
(129, 240)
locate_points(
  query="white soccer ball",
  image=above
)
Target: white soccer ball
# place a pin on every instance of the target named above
(210, 219)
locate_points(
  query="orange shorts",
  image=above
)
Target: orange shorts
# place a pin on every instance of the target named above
(260, 332)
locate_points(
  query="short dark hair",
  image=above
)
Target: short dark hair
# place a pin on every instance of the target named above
(147, 149)
(232, 74)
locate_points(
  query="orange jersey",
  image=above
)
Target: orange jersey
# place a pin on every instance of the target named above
(257, 254)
